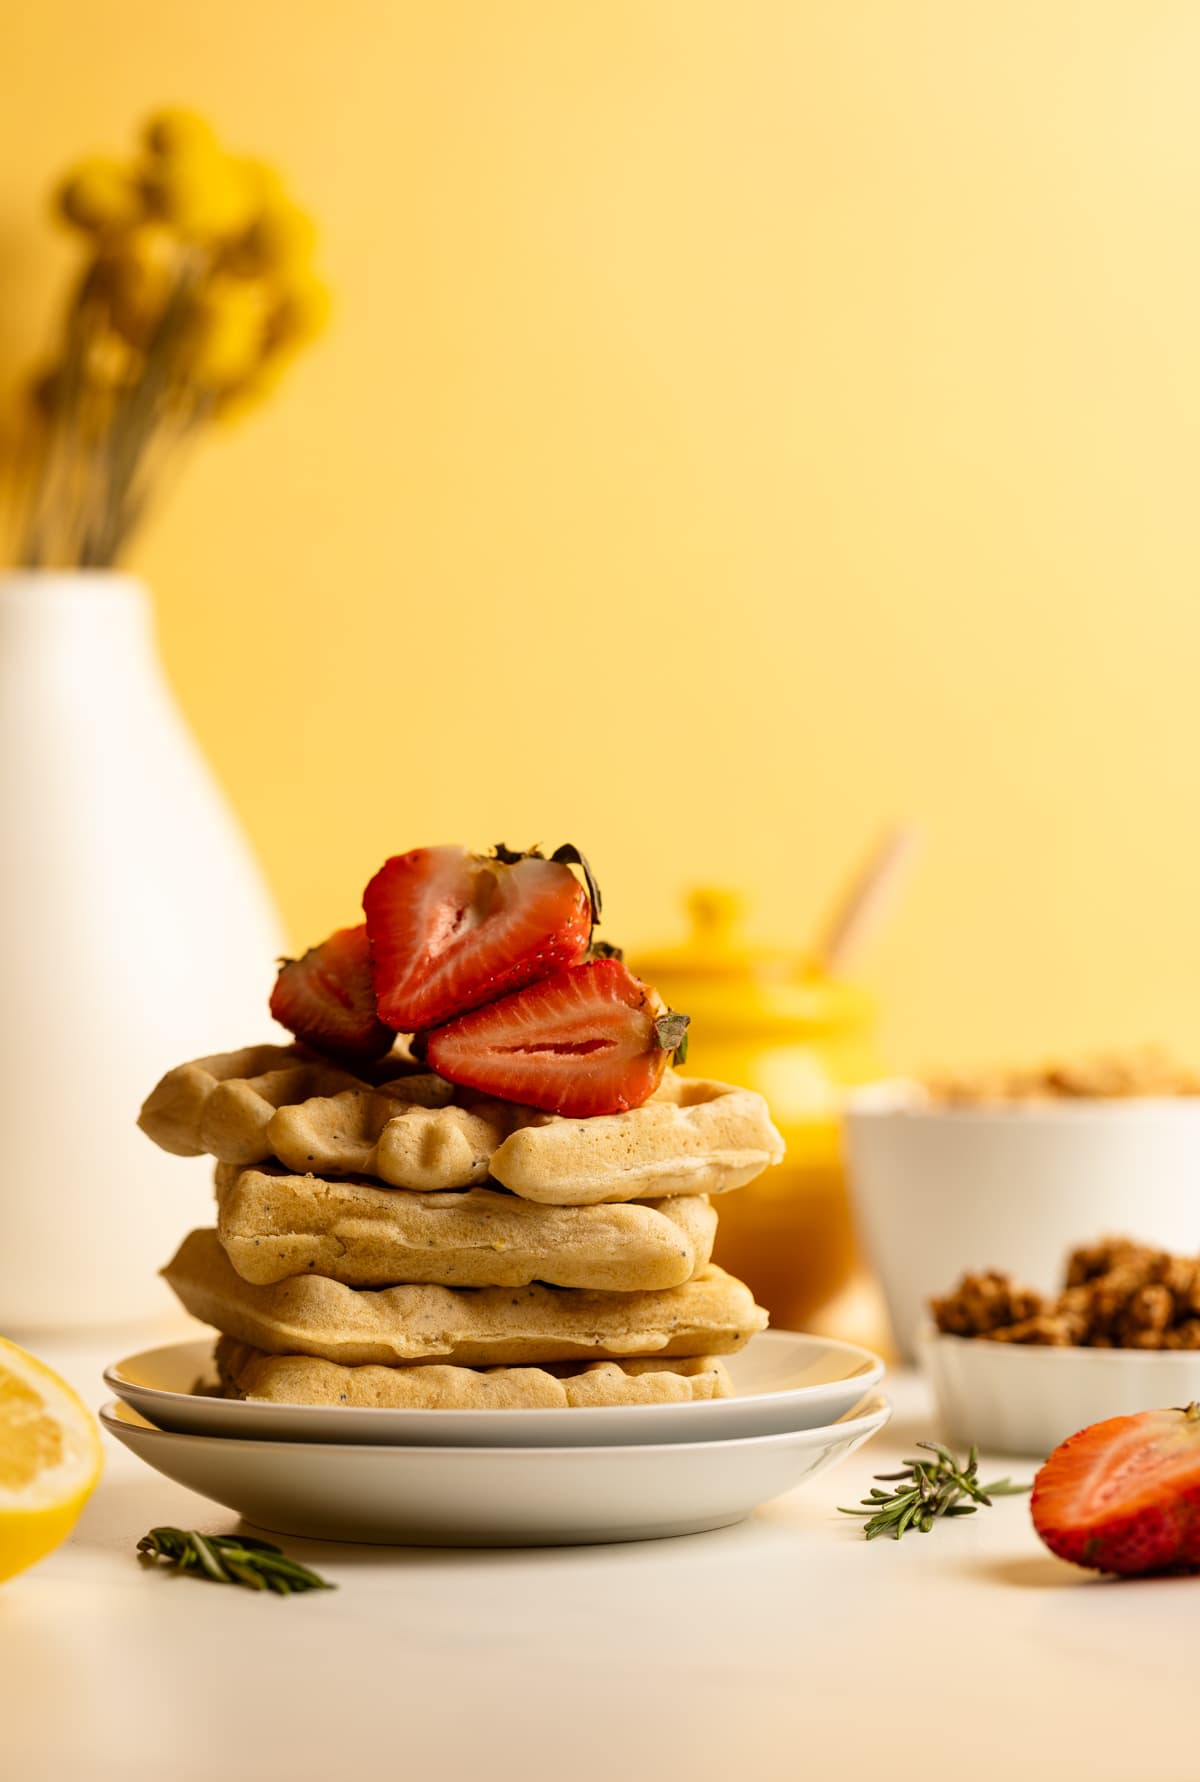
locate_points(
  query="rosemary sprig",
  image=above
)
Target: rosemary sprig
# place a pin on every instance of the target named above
(231, 1559)
(933, 1488)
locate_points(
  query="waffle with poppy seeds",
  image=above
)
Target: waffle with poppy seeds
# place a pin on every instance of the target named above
(246, 1372)
(693, 1136)
(712, 1314)
(273, 1224)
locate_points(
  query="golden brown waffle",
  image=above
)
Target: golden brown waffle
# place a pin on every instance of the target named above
(404, 1140)
(273, 1225)
(224, 1104)
(301, 1380)
(476, 1327)
(692, 1137)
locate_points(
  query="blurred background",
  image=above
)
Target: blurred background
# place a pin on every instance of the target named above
(739, 427)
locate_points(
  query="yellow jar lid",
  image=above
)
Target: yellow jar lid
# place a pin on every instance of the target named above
(731, 986)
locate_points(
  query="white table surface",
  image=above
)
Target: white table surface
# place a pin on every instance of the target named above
(788, 1647)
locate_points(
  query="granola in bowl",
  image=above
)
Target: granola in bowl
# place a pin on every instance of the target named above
(1017, 1370)
(1006, 1172)
(1117, 1294)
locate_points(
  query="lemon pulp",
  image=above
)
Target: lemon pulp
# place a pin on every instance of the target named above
(50, 1459)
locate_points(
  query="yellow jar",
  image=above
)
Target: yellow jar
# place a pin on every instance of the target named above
(767, 1020)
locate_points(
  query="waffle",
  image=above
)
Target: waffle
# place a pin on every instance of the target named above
(692, 1137)
(224, 1104)
(380, 1133)
(273, 1225)
(301, 1380)
(476, 1327)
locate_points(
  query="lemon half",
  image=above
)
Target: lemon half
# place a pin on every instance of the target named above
(50, 1459)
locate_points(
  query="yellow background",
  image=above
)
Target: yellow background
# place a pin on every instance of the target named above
(744, 421)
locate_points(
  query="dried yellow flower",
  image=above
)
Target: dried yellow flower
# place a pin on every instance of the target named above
(204, 194)
(224, 339)
(100, 196)
(175, 130)
(194, 294)
(280, 239)
(300, 314)
(236, 399)
(139, 275)
(87, 396)
(265, 181)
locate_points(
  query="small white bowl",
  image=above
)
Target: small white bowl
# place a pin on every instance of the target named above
(941, 1189)
(1014, 1398)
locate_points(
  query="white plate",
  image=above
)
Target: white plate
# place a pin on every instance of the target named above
(784, 1381)
(1014, 1398)
(492, 1497)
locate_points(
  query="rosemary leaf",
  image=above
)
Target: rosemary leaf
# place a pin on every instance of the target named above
(927, 1490)
(231, 1559)
(245, 1574)
(208, 1559)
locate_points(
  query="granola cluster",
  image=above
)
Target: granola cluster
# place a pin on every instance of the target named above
(1118, 1076)
(1118, 1294)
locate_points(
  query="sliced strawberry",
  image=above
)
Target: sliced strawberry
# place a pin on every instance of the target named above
(1124, 1495)
(589, 1040)
(450, 930)
(327, 999)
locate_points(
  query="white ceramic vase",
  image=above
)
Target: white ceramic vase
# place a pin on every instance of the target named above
(135, 932)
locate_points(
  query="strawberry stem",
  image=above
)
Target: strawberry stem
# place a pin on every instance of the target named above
(570, 855)
(671, 1032)
(601, 949)
(567, 855)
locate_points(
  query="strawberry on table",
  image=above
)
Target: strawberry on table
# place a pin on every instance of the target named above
(327, 999)
(591, 1039)
(450, 930)
(1124, 1495)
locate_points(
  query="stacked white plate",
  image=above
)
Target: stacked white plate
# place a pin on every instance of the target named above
(503, 1478)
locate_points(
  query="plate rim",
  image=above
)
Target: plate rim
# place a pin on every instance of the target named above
(866, 1422)
(865, 1381)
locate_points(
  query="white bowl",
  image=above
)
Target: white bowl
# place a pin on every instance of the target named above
(492, 1497)
(783, 1381)
(938, 1190)
(1014, 1398)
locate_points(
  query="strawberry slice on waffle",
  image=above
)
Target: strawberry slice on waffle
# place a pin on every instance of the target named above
(450, 930)
(590, 1039)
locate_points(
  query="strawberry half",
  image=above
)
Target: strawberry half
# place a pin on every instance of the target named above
(450, 930)
(1124, 1495)
(327, 999)
(589, 1040)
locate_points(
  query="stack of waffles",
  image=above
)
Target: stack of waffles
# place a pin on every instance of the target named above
(384, 1238)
